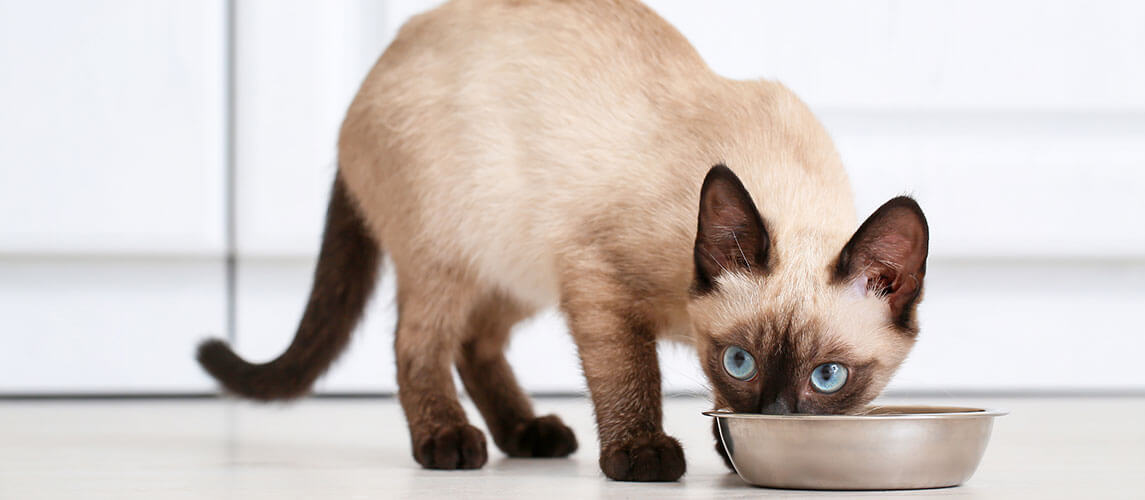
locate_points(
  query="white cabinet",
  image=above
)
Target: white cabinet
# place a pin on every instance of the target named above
(107, 325)
(1015, 326)
(112, 187)
(1019, 125)
(1001, 184)
(297, 65)
(1015, 55)
(111, 137)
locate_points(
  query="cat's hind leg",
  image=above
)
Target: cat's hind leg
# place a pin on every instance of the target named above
(489, 381)
(433, 311)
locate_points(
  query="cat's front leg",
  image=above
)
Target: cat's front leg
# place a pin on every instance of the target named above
(618, 355)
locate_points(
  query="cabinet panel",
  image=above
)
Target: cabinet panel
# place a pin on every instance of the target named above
(1029, 325)
(979, 54)
(112, 126)
(298, 64)
(996, 184)
(109, 326)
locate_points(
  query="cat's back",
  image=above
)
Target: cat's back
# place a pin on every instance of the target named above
(492, 120)
(587, 28)
(480, 62)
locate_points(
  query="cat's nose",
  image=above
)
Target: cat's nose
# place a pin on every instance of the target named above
(779, 406)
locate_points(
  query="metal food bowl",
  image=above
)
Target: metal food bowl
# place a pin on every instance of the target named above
(885, 448)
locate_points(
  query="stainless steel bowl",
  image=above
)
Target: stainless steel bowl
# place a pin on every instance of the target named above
(886, 448)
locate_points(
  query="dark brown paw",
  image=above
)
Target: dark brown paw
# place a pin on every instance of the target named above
(720, 446)
(543, 436)
(651, 458)
(451, 447)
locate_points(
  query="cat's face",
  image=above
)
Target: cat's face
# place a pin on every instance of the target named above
(802, 332)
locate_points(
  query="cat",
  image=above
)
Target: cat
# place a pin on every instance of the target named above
(511, 156)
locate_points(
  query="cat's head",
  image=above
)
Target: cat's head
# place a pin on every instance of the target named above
(802, 330)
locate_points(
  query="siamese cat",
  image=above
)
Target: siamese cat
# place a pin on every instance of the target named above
(511, 156)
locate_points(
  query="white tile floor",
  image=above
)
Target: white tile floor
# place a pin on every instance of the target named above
(1047, 448)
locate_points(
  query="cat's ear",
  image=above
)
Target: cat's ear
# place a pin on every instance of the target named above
(887, 256)
(731, 236)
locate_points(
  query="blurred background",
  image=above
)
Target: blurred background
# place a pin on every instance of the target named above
(164, 167)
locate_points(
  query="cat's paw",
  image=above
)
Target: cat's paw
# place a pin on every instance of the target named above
(543, 436)
(451, 447)
(720, 446)
(657, 457)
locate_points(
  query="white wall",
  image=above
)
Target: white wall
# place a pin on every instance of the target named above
(1019, 126)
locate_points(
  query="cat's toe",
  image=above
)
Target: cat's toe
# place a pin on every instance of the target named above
(452, 447)
(545, 436)
(657, 457)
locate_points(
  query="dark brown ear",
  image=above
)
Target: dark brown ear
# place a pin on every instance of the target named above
(887, 256)
(731, 236)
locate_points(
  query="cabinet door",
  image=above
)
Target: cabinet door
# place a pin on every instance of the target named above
(103, 325)
(1017, 124)
(111, 193)
(298, 64)
(112, 137)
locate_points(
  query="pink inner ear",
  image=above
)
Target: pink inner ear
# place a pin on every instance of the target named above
(887, 256)
(889, 263)
(859, 286)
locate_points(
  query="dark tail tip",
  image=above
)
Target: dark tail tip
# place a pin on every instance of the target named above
(237, 376)
(343, 281)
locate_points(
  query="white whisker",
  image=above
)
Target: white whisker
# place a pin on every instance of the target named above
(745, 261)
(713, 257)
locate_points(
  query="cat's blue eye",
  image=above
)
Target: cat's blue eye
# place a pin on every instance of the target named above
(739, 363)
(829, 377)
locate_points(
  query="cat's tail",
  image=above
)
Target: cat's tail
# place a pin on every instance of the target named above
(344, 279)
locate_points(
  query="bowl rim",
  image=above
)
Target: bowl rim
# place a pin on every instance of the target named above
(917, 412)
